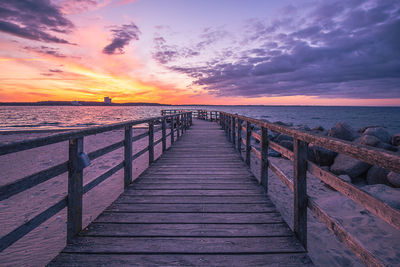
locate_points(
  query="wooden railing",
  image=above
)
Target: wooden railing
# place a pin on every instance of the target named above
(178, 123)
(232, 124)
(197, 113)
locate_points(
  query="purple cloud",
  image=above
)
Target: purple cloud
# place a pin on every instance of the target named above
(340, 49)
(55, 52)
(122, 35)
(35, 20)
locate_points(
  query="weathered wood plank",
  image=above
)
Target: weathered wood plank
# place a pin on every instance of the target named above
(132, 199)
(196, 217)
(300, 191)
(211, 245)
(182, 192)
(214, 208)
(75, 189)
(30, 181)
(351, 242)
(364, 199)
(187, 230)
(10, 238)
(283, 150)
(128, 156)
(195, 186)
(234, 260)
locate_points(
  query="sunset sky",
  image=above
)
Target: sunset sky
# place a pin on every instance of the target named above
(201, 51)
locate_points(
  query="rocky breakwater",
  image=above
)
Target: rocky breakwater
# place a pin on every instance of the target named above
(382, 183)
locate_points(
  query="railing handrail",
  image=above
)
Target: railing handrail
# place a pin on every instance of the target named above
(56, 138)
(76, 188)
(301, 139)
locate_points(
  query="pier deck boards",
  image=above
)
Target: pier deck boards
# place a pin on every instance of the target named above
(198, 204)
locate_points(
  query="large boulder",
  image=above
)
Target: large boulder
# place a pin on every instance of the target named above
(379, 133)
(347, 165)
(273, 153)
(287, 144)
(369, 140)
(282, 137)
(343, 131)
(377, 175)
(322, 156)
(394, 179)
(387, 146)
(301, 127)
(396, 139)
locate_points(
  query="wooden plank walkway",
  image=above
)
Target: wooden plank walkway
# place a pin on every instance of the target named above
(198, 204)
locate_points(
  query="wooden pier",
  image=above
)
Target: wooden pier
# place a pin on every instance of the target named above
(198, 204)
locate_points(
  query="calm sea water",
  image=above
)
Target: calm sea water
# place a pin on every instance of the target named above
(65, 117)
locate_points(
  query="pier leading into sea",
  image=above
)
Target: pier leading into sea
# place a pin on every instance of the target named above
(198, 203)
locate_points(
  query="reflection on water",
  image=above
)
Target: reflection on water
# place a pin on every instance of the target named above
(65, 117)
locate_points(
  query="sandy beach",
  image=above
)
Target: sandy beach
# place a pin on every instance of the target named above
(43, 244)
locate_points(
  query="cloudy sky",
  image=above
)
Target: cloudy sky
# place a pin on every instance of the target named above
(303, 52)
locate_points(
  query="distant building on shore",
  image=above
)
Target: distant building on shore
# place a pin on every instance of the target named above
(76, 103)
(107, 100)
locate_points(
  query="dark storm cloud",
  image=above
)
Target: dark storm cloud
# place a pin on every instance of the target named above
(122, 35)
(339, 49)
(55, 52)
(33, 19)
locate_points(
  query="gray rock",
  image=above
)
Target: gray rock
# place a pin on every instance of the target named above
(347, 165)
(318, 129)
(287, 144)
(369, 140)
(387, 147)
(282, 137)
(396, 139)
(394, 179)
(379, 133)
(273, 153)
(322, 156)
(377, 175)
(362, 130)
(301, 127)
(345, 177)
(283, 123)
(343, 131)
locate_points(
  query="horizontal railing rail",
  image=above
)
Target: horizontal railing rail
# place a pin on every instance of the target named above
(179, 122)
(232, 124)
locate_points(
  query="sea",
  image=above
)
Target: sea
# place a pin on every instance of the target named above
(44, 243)
(26, 118)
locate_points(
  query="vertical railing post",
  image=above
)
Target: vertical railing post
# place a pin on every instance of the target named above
(248, 142)
(233, 131)
(178, 122)
(75, 189)
(151, 142)
(172, 130)
(182, 123)
(239, 137)
(264, 158)
(128, 156)
(229, 133)
(164, 134)
(300, 191)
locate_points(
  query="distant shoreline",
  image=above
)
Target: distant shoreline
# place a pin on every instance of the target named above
(90, 103)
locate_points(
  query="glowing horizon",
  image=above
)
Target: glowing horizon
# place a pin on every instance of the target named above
(275, 53)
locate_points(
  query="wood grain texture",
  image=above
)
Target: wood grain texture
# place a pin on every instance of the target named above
(197, 200)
